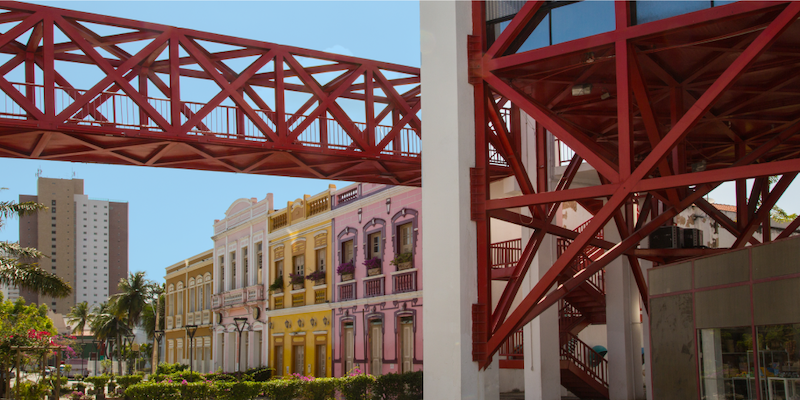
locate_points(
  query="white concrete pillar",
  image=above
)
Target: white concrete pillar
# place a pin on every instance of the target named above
(450, 235)
(623, 328)
(541, 347)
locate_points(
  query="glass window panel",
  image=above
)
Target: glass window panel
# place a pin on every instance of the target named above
(582, 19)
(648, 11)
(726, 363)
(540, 37)
(779, 361)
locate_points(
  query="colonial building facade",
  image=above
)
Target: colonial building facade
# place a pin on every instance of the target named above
(377, 317)
(189, 286)
(240, 243)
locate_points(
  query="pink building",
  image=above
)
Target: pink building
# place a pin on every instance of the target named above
(378, 286)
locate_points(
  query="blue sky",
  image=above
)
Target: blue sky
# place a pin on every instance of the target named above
(172, 211)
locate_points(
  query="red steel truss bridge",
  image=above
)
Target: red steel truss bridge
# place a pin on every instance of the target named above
(662, 111)
(269, 109)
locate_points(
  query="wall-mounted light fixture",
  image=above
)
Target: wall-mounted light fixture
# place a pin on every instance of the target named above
(359, 215)
(388, 205)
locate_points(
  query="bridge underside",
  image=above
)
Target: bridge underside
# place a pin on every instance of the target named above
(663, 111)
(89, 88)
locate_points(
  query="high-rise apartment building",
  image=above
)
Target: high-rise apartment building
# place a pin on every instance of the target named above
(86, 241)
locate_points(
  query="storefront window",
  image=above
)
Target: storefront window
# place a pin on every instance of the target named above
(727, 368)
(779, 361)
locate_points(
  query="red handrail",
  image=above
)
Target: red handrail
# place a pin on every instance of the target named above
(512, 348)
(506, 254)
(588, 360)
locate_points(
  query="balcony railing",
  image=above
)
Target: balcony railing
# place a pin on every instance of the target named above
(255, 293)
(279, 221)
(511, 351)
(178, 321)
(206, 317)
(347, 291)
(170, 324)
(190, 318)
(405, 282)
(320, 296)
(318, 206)
(506, 254)
(373, 287)
(298, 299)
(347, 196)
(215, 301)
(278, 302)
(232, 297)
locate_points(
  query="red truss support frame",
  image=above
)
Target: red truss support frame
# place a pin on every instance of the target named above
(269, 109)
(686, 103)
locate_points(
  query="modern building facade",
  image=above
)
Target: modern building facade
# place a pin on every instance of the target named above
(86, 241)
(301, 286)
(189, 285)
(377, 314)
(240, 246)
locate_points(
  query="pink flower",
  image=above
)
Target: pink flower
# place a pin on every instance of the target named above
(183, 382)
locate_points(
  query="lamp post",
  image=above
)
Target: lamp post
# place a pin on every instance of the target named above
(158, 335)
(130, 339)
(96, 353)
(241, 323)
(190, 331)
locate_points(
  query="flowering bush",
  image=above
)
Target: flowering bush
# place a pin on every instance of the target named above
(402, 258)
(373, 262)
(346, 268)
(316, 275)
(296, 279)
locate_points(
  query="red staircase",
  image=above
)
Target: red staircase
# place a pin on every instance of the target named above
(584, 372)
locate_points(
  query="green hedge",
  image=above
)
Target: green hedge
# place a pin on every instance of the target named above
(406, 386)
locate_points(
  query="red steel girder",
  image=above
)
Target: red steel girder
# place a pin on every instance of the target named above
(669, 144)
(238, 129)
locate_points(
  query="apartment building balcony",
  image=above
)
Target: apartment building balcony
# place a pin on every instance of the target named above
(255, 293)
(373, 286)
(404, 281)
(347, 291)
(170, 324)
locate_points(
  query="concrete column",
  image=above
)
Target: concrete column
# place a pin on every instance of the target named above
(623, 327)
(450, 235)
(542, 374)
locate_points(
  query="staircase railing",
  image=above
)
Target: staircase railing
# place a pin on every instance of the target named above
(511, 352)
(589, 361)
(506, 254)
(568, 316)
(582, 261)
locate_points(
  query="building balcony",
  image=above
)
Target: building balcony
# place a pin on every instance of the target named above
(404, 281)
(170, 325)
(190, 318)
(278, 302)
(298, 299)
(320, 296)
(206, 317)
(373, 286)
(347, 291)
(178, 321)
(215, 301)
(255, 293)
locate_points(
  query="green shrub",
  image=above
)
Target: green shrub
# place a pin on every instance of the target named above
(152, 390)
(97, 381)
(31, 391)
(282, 389)
(166, 369)
(413, 381)
(261, 374)
(126, 381)
(317, 388)
(79, 377)
(237, 390)
(388, 387)
(355, 387)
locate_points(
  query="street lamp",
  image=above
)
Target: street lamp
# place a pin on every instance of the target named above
(191, 330)
(158, 335)
(241, 323)
(130, 339)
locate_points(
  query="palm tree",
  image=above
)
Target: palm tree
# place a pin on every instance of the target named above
(135, 292)
(79, 316)
(110, 321)
(15, 270)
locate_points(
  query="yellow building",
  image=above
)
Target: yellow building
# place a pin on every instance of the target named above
(188, 302)
(299, 308)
